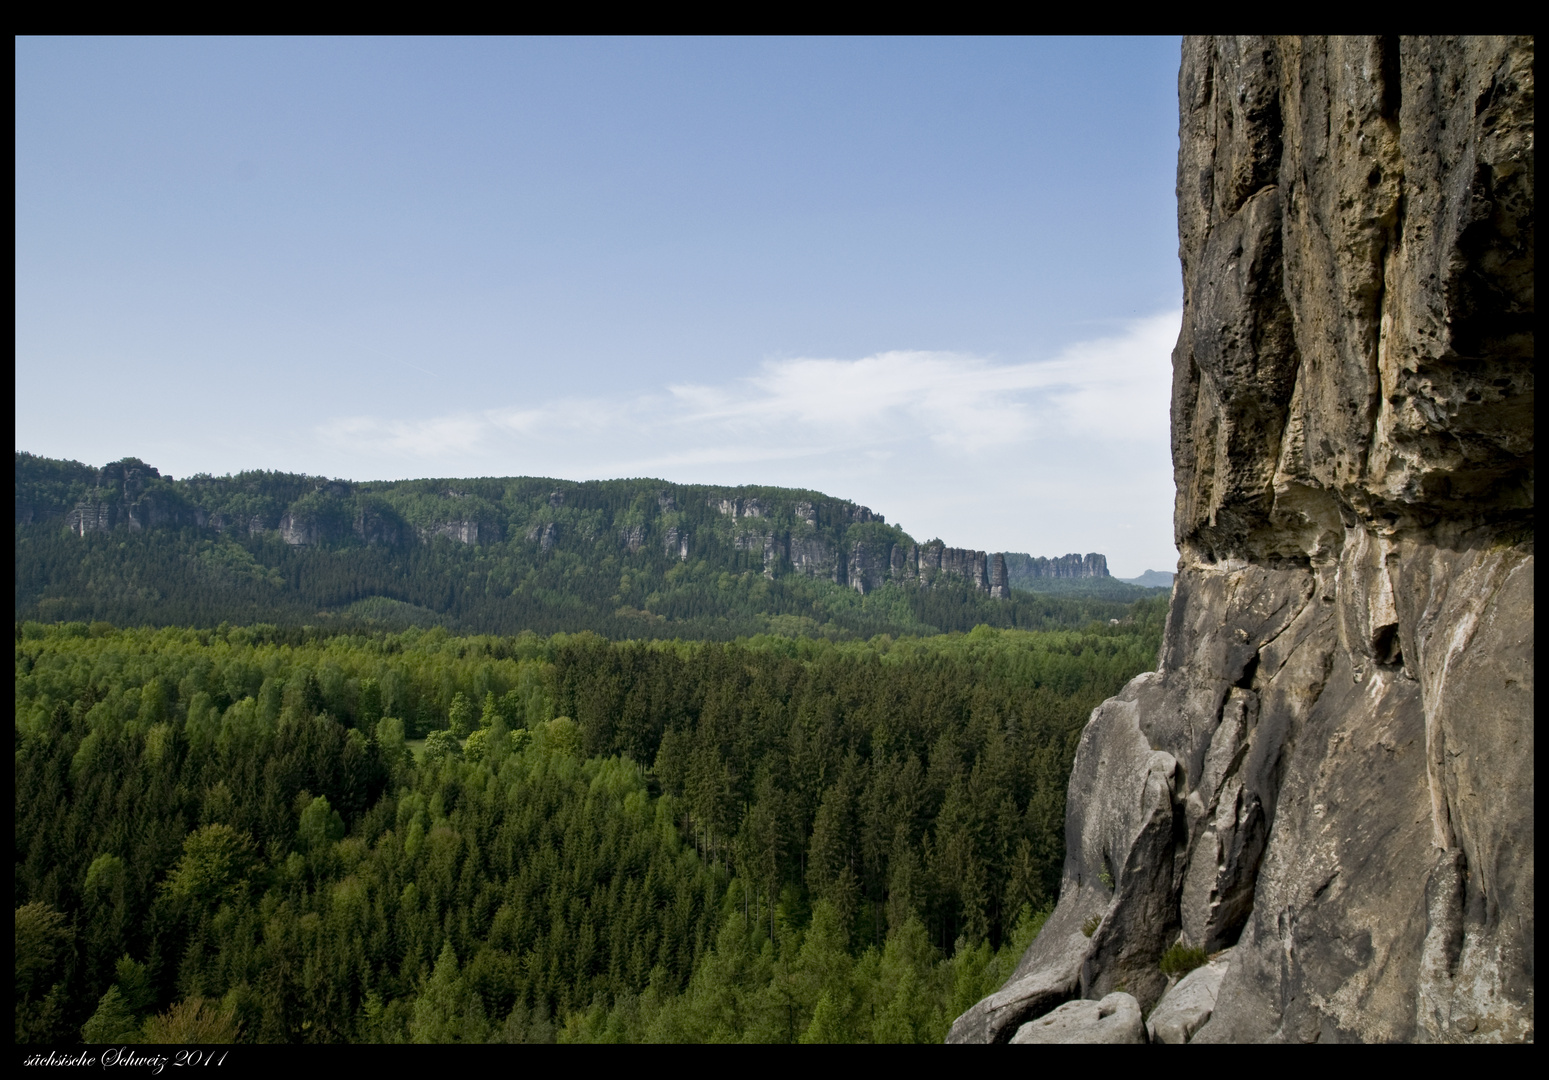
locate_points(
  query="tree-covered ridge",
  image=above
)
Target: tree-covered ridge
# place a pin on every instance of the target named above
(626, 558)
(628, 513)
(636, 839)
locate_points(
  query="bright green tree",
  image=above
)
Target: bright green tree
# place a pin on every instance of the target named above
(447, 1011)
(460, 715)
(441, 744)
(113, 1022)
(320, 824)
(194, 1022)
(215, 866)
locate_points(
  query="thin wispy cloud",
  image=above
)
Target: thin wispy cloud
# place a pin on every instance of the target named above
(1113, 388)
(921, 435)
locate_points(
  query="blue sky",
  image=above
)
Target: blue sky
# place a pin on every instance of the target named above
(938, 277)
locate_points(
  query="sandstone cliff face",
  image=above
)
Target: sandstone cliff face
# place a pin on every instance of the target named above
(1332, 767)
(868, 564)
(1000, 582)
(869, 567)
(123, 496)
(1025, 570)
(464, 532)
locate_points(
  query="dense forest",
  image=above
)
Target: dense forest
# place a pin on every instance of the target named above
(283, 833)
(623, 558)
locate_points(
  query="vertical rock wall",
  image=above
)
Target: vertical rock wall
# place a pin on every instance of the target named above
(1025, 570)
(1331, 771)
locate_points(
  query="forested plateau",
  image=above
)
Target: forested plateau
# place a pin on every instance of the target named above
(622, 558)
(272, 834)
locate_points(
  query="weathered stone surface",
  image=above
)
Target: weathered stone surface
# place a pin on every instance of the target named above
(1048, 975)
(1345, 686)
(1114, 1019)
(251, 524)
(1185, 1008)
(735, 507)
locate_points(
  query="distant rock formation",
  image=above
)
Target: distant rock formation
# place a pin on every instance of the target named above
(124, 496)
(544, 535)
(464, 532)
(1026, 571)
(675, 543)
(773, 530)
(814, 556)
(298, 531)
(1000, 585)
(1332, 767)
(871, 564)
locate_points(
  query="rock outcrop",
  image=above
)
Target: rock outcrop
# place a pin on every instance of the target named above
(675, 543)
(869, 566)
(126, 495)
(1000, 582)
(376, 524)
(1187, 1007)
(1332, 767)
(632, 537)
(464, 532)
(815, 557)
(298, 530)
(1114, 1019)
(544, 535)
(1025, 571)
(936, 559)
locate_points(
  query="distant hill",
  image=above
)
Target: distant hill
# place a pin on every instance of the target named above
(1152, 579)
(624, 558)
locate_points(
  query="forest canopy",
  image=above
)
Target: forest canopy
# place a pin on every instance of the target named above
(287, 834)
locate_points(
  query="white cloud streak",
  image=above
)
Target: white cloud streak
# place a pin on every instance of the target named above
(1109, 388)
(932, 433)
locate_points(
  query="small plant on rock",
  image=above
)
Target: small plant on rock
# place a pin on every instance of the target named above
(1182, 959)
(1090, 926)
